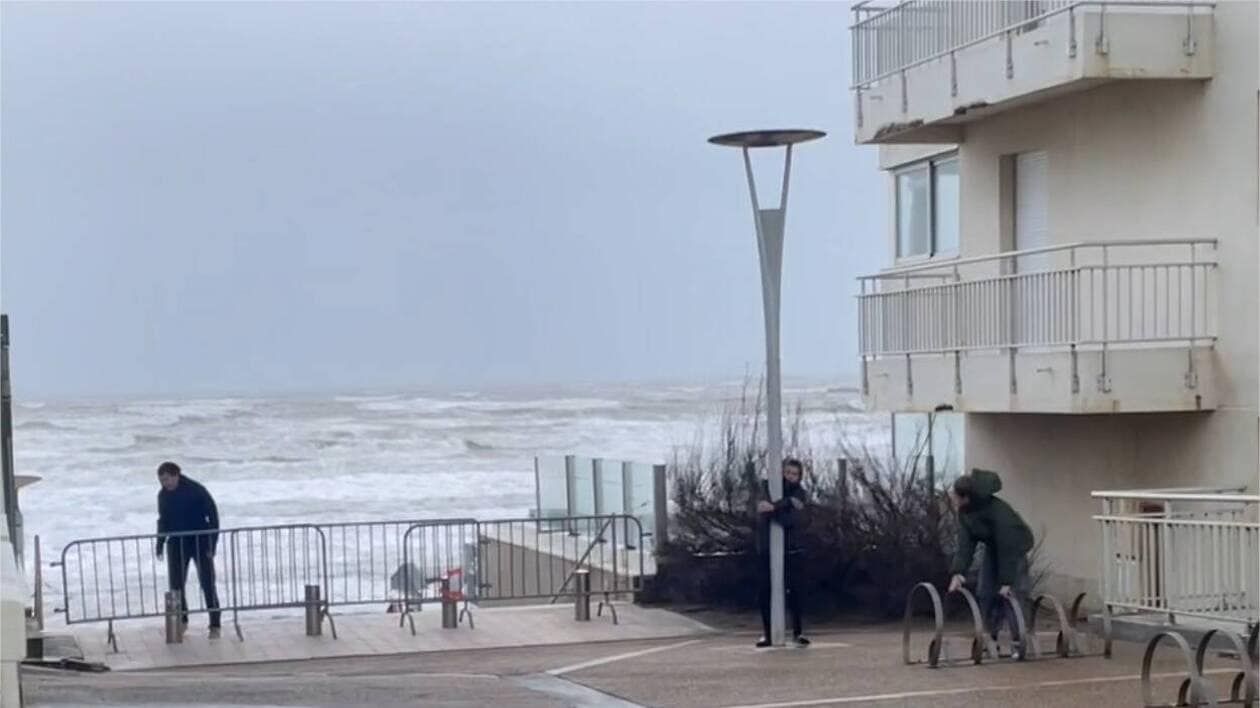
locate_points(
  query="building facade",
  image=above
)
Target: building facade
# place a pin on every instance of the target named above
(1072, 245)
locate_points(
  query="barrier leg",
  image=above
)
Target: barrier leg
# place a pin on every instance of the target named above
(328, 615)
(467, 612)
(1106, 621)
(111, 637)
(611, 608)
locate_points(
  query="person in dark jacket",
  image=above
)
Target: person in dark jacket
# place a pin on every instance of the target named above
(983, 518)
(787, 511)
(184, 506)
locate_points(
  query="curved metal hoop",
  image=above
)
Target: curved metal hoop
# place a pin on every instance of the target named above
(1244, 688)
(1065, 643)
(1194, 688)
(938, 616)
(981, 642)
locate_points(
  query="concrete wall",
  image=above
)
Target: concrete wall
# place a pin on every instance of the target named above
(1130, 160)
(13, 596)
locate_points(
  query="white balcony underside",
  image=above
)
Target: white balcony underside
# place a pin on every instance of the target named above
(1146, 379)
(928, 101)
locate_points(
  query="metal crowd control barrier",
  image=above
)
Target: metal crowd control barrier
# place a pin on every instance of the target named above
(436, 553)
(316, 567)
(513, 553)
(509, 560)
(1195, 690)
(1069, 642)
(367, 562)
(120, 578)
(272, 567)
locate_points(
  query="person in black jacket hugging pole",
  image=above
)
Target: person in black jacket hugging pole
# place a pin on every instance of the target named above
(184, 506)
(787, 511)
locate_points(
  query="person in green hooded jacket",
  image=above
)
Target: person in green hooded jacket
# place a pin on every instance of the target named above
(983, 518)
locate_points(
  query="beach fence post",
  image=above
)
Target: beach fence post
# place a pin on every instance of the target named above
(314, 612)
(450, 608)
(582, 597)
(174, 627)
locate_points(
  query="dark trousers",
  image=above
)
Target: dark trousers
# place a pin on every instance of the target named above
(792, 584)
(995, 608)
(179, 554)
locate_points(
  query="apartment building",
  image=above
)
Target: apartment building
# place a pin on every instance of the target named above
(1072, 244)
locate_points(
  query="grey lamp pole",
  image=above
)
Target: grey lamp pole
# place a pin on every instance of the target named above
(769, 224)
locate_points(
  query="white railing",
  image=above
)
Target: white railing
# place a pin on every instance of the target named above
(1085, 295)
(1185, 554)
(888, 38)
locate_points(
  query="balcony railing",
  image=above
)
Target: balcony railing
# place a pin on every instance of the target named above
(890, 38)
(1079, 296)
(1183, 553)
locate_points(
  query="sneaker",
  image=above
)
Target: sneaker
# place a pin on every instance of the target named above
(215, 632)
(763, 643)
(801, 640)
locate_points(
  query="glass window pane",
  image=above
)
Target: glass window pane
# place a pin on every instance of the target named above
(910, 431)
(945, 195)
(910, 438)
(612, 496)
(553, 494)
(913, 213)
(642, 500)
(583, 486)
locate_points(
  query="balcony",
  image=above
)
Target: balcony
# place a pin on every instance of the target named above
(923, 68)
(1099, 327)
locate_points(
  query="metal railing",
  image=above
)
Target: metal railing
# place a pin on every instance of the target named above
(521, 559)
(1075, 296)
(402, 563)
(888, 39)
(119, 578)
(1188, 553)
(367, 560)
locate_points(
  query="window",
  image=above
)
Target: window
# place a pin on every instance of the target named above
(927, 208)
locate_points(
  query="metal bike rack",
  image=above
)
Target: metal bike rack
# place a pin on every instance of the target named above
(1195, 690)
(939, 653)
(1069, 642)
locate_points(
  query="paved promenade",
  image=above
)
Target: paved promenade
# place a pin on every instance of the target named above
(694, 668)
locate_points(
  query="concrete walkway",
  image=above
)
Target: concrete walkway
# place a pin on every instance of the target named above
(142, 644)
(846, 666)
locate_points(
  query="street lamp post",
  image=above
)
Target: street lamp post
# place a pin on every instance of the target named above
(769, 225)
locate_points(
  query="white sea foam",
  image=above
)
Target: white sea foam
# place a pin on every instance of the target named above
(356, 457)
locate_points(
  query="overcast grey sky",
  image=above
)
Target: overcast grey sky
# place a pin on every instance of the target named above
(232, 197)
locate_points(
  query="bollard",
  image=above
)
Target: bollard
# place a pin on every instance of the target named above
(314, 618)
(174, 625)
(450, 608)
(582, 598)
